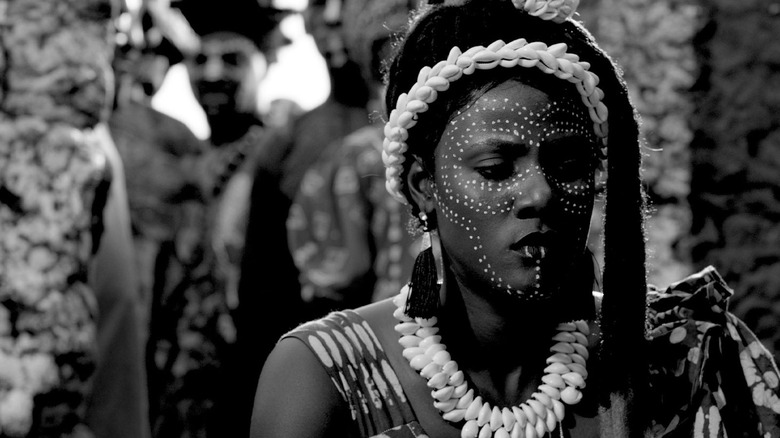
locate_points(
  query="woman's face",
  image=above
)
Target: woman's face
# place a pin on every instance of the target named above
(514, 187)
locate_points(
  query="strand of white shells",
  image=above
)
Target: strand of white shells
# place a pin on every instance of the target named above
(556, 10)
(564, 378)
(433, 80)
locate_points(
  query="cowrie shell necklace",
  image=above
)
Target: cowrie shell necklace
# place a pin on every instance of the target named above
(564, 377)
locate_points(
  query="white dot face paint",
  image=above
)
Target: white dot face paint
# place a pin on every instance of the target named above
(515, 189)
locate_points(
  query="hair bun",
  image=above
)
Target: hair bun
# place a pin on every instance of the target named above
(556, 10)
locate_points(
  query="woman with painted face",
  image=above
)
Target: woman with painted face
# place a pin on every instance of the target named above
(502, 117)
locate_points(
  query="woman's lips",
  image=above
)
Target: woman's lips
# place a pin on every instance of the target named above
(535, 245)
(532, 251)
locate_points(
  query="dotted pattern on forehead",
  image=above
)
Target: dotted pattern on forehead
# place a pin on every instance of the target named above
(463, 197)
(433, 80)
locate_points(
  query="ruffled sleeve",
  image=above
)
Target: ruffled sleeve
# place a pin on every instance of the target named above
(710, 375)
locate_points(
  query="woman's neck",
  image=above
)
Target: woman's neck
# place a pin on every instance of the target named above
(502, 345)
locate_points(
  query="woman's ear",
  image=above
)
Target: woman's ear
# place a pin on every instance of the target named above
(421, 187)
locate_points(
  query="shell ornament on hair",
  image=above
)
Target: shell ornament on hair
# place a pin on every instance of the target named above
(431, 81)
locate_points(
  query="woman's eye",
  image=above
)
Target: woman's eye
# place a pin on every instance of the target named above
(572, 167)
(496, 170)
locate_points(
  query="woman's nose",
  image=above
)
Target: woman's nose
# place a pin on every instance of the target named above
(533, 195)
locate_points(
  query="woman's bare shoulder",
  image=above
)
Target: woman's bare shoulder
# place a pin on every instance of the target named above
(295, 396)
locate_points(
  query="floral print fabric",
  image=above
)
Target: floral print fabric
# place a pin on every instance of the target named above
(710, 377)
(52, 177)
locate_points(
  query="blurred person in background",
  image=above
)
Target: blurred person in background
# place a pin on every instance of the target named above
(192, 330)
(348, 237)
(269, 278)
(157, 150)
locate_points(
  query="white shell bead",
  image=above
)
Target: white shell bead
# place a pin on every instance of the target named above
(558, 409)
(465, 400)
(442, 357)
(557, 357)
(541, 428)
(469, 430)
(576, 358)
(518, 431)
(574, 379)
(581, 339)
(450, 367)
(445, 406)
(409, 341)
(543, 398)
(564, 337)
(398, 313)
(530, 432)
(582, 326)
(485, 432)
(457, 378)
(433, 349)
(427, 342)
(508, 418)
(412, 352)
(519, 416)
(556, 368)
(571, 395)
(419, 362)
(539, 409)
(495, 419)
(473, 410)
(554, 380)
(443, 394)
(427, 322)
(430, 370)
(438, 381)
(560, 347)
(424, 332)
(407, 328)
(551, 420)
(581, 350)
(501, 433)
(456, 415)
(566, 327)
(579, 369)
(484, 414)
(529, 412)
(460, 390)
(552, 392)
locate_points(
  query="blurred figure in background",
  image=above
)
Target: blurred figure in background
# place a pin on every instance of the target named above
(347, 235)
(192, 330)
(269, 278)
(157, 150)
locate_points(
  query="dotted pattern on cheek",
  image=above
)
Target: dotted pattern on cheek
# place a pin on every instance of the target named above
(466, 200)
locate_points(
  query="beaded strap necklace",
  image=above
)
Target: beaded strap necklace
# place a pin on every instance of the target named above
(564, 377)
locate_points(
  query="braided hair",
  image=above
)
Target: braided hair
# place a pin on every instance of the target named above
(432, 33)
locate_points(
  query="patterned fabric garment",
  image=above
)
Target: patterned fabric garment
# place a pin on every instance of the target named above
(359, 369)
(346, 234)
(710, 376)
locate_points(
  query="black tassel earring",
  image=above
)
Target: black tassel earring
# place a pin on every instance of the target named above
(424, 287)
